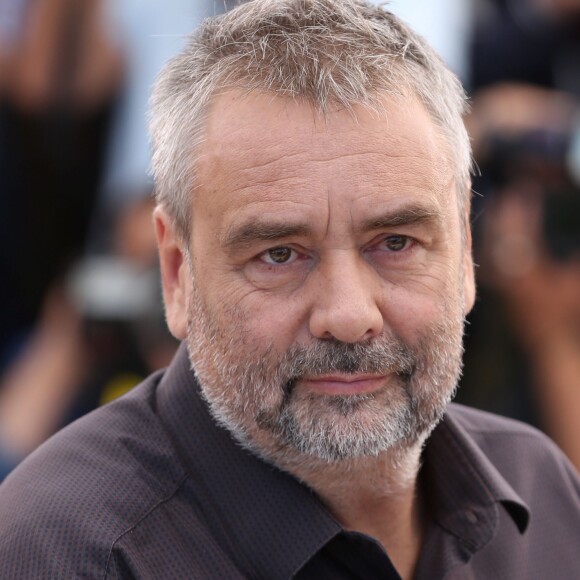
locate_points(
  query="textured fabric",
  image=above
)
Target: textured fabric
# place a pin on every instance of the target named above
(150, 487)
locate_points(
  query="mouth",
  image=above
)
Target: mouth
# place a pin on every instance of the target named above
(343, 384)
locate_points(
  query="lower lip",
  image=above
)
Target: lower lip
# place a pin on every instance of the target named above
(333, 387)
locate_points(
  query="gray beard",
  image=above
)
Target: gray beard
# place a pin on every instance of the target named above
(252, 394)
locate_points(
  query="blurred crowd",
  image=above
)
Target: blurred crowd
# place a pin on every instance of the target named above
(81, 320)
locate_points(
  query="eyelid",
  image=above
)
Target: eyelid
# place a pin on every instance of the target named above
(383, 236)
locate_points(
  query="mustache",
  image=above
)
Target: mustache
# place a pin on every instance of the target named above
(381, 355)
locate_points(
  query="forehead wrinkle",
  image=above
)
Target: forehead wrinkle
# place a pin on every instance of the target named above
(256, 187)
(409, 176)
(256, 164)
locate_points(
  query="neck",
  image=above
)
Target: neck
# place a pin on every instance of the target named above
(378, 496)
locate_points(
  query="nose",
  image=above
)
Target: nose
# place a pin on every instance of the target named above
(345, 307)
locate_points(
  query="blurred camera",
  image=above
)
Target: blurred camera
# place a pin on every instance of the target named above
(539, 157)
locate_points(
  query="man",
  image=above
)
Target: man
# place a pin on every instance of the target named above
(311, 170)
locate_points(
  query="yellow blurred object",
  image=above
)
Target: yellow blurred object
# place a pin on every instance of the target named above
(119, 385)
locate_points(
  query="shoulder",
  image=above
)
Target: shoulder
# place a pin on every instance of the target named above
(62, 510)
(490, 428)
(526, 457)
(476, 421)
(497, 435)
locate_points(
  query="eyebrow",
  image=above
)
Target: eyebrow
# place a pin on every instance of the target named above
(256, 230)
(405, 216)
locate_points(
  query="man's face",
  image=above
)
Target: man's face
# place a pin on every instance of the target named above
(327, 279)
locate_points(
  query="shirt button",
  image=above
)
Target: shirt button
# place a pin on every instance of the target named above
(471, 517)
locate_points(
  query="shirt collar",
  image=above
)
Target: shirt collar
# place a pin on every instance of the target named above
(261, 511)
(467, 489)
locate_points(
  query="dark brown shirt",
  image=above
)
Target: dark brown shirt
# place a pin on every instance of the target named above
(150, 487)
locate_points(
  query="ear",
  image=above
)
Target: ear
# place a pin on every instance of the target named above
(468, 266)
(175, 277)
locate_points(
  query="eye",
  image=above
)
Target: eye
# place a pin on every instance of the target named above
(396, 243)
(281, 255)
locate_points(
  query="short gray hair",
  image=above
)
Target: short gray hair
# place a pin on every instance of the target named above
(343, 52)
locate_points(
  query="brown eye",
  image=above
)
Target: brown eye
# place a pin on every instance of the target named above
(280, 255)
(396, 243)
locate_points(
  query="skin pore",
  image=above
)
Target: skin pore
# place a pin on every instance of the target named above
(322, 297)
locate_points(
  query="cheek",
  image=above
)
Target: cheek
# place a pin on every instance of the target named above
(409, 312)
(274, 322)
(261, 319)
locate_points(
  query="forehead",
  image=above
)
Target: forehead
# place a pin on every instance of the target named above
(262, 148)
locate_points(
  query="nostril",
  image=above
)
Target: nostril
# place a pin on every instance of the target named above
(354, 325)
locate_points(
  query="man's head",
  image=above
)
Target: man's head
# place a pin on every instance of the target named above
(319, 266)
(327, 52)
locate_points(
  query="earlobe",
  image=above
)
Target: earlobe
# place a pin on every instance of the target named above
(469, 283)
(174, 273)
(468, 266)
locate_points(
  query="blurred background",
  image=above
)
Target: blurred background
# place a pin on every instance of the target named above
(81, 320)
